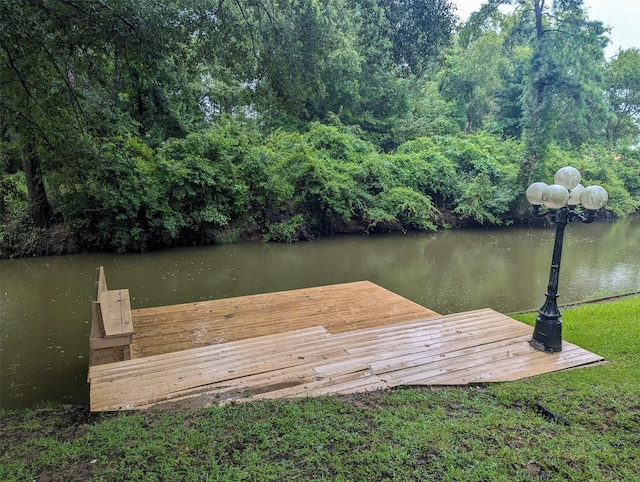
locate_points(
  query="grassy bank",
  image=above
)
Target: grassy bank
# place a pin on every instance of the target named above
(490, 432)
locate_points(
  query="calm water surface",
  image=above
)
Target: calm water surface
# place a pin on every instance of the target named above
(45, 303)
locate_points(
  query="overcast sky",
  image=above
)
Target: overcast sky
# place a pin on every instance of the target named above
(623, 16)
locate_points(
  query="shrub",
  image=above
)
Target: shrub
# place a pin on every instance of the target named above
(287, 230)
(432, 172)
(203, 186)
(628, 168)
(603, 167)
(114, 204)
(322, 187)
(17, 233)
(472, 176)
(402, 207)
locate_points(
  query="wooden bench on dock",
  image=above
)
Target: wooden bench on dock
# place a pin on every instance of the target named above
(111, 325)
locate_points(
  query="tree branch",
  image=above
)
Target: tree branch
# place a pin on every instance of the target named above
(27, 119)
(75, 104)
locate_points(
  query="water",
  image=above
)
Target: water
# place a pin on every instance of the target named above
(45, 303)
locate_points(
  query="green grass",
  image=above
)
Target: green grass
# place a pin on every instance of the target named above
(488, 432)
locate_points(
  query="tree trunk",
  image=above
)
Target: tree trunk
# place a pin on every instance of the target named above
(538, 8)
(537, 136)
(39, 209)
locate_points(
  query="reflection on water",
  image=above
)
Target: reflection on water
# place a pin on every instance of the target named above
(45, 303)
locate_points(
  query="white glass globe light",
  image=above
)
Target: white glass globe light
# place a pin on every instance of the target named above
(594, 197)
(534, 192)
(575, 194)
(555, 196)
(568, 177)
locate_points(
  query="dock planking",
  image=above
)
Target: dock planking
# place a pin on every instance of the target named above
(316, 341)
(338, 308)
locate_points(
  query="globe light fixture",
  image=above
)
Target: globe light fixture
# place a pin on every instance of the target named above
(561, 199)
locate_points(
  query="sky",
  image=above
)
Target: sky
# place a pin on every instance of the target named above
(623, 16)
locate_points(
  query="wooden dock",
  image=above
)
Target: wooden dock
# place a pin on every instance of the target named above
(316, 341)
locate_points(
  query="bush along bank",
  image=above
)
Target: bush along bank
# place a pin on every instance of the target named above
(231, 183)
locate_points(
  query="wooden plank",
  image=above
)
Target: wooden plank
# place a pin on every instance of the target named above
(422, 338)
(97, 330)
(141, 388)
(255, 386)
(250, 387)
(116, 313)
(102, 282)
(205, 370)
(108, 355)
(383, 362)
(502, 367)
(294, 385)
(125, 312)
(512, 360)
(571, 356)
(314, 387)
(266, 344)
(433, 329)
(448, 366)
(97, 343)
(434, 336)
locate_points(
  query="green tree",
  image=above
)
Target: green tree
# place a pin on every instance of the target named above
(552, 87)
(419, 31)
(400, 44)
(622, 81)
(289, 62)
(74, 72)
(202, 181)
(563, 94)
(472, 77)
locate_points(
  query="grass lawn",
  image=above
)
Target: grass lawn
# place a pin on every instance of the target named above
(488, 432)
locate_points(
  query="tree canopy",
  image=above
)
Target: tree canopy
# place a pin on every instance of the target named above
(133, 124)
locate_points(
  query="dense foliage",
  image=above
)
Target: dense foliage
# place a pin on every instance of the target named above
(129, 125)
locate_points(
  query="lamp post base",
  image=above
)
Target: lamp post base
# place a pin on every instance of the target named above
(547, 335)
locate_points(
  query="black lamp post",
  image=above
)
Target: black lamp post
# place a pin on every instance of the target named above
(561, 200)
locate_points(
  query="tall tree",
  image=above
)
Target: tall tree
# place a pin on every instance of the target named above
(560, 97)
(622, 80)
(75, 71)
(563, 83)
(496, 70)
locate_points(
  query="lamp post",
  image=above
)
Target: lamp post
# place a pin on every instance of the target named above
(561, 200)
